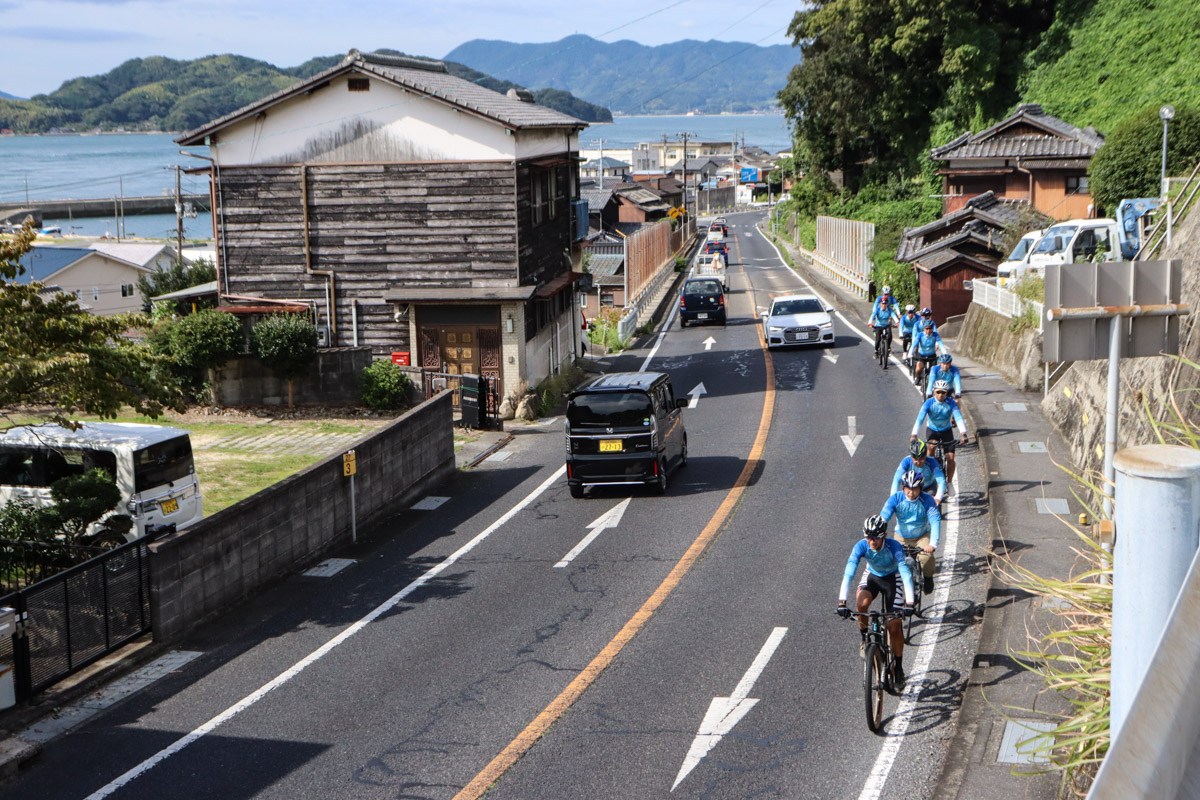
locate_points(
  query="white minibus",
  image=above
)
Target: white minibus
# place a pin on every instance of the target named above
(151, 464)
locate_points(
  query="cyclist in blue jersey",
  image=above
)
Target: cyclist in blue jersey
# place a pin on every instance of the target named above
(939, 413)
(925, 348)
(927, 318)
(927, 465)
(887, 573)
(892, 303)
(909, 322)
(883, 313)
(945, 371)
(918, 521)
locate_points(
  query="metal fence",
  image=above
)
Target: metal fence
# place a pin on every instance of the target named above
(488, 392)
(847, 243)
(988, 293)
(71, 620)
(25, 563)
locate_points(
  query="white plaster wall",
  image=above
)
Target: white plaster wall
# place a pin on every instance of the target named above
(96, 271)
(546, 353)
(386, 123)
(535, 143)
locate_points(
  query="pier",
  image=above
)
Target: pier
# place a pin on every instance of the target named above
(103, 207)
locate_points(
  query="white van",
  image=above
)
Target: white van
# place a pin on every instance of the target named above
(1018, 260)
(1077, 241)
(151, 464)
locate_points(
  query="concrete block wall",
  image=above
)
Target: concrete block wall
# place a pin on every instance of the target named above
(198, 573)
(331, 379)
(987, 337)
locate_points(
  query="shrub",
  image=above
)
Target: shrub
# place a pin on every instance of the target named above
(205, 341)
(1130, 162)
(384, 386)
(286, 344)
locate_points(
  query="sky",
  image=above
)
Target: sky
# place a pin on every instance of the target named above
(46, 42)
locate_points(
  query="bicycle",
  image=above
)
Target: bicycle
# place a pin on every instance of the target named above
(918, 576)
(878, 665)
(883, 346)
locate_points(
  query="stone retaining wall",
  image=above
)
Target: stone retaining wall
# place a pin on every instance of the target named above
(198, 573)
(987, 337)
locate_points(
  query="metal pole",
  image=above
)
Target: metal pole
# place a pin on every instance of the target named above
(1162, 180)
(353, 515)
(1157, 532)
(1110, 414)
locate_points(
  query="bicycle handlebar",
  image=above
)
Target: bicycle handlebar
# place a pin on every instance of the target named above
(870, 614)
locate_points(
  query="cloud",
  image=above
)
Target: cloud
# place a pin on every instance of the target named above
(84, 35)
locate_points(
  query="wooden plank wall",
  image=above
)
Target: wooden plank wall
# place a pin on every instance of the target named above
(377, 226)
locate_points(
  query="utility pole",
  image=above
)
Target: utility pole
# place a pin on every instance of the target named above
(121, 221)
(178, 217)
(684, 136)
(27, 185)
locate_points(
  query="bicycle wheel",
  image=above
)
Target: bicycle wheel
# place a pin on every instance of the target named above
(874, 675)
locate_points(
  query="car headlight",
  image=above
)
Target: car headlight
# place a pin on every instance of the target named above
(827, 324)
(774, 329)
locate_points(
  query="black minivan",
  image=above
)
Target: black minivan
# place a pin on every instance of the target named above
(624, 428)
(702, 300)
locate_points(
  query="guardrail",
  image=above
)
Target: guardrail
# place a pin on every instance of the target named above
(987, 293)
(647, 297)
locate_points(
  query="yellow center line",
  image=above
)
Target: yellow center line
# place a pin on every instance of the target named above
(575, 689)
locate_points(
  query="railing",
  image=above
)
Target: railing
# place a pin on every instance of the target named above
(1008, 304)
(843, 250)
(1170, 215)
(25, 563)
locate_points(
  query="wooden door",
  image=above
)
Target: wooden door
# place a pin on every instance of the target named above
(460, 353)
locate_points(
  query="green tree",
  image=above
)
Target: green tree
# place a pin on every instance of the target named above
(286, 344)
(58, 360)
(204, 341)
(1130, 162)
(176, 276)
(80, 500)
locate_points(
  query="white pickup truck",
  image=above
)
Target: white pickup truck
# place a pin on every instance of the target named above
(712, 265)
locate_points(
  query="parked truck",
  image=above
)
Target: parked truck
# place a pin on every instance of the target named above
(1085, 240)
(712, 265)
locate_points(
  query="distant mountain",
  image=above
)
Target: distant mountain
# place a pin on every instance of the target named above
(160, 93)
(7, 96)
(633, 78)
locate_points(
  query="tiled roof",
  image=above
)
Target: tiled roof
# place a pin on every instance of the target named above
(602, 265)
(982, 220)
(1059, 140)
(42, 262)
(596, 197)
(428, 78)
(644, 198)
(609, 163)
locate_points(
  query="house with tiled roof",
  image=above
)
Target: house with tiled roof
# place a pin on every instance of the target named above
(639, 204)
(416, 211)
(103, 283)
(963, 245)
(1029, 156)
(612, 169)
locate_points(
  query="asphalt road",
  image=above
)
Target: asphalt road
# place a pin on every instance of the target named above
(591, 679)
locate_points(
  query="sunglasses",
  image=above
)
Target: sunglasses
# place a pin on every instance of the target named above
(941, 392)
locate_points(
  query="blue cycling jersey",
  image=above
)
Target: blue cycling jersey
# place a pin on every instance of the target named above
(927, 344)
(951, 376)
(914, 517)
(939, 414)
(909, 324)
(882, 562)
(931, 469)
(881, 314)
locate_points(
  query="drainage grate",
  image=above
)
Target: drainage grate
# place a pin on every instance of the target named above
(1032, 447)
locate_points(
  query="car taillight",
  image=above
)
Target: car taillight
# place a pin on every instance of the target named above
(721, 300)
(682, 303)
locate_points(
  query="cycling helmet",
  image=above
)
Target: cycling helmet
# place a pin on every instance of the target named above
(910, 308)
(945, 358)
(874, 526)
(887, 290)
(913, 479)
(916, 449)
(941, 386)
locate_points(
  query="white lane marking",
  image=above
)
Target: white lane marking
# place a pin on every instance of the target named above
(866, 337)
(852, 441)
(873, 788)
(609, 519)
(725, 712)
(322, 651)
(830, 357)
(708, 343)
(662, 334)
(695, 393)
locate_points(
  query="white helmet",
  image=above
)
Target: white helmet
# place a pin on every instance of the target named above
(910, 309)
(887, 290)
(941, 386)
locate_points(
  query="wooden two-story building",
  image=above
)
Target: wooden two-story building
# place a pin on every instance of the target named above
(417, 212)
(1029, 156)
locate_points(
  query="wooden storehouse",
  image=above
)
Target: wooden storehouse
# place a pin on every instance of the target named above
(419, 212)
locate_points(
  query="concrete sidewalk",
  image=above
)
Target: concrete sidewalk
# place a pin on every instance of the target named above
(1030, 504)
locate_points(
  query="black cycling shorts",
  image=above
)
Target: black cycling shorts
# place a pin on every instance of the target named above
(946, 438)
(931, 360)
(890, 586)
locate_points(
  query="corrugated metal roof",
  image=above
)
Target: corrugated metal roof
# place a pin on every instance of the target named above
(424, 77)
(42, 262)
(138, 253)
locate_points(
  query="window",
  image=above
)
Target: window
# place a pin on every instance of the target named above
(1077, 184)
(127, 290)
(359, 84)
(546, 194)
(606, 299)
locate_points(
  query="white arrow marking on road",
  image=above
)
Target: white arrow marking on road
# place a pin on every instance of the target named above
(830, 357)
(609, 519)
(852, 441)
(709, 342)
(725, 712)
(747, 234)
(695, 394)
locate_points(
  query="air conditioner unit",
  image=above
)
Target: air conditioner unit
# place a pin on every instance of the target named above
(323, 339)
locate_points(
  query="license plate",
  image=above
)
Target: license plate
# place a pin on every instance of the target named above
(702, 315)
(610, 445)
(170, 506)
(803, 336)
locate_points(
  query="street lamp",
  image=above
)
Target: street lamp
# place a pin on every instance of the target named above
(1166, 114)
